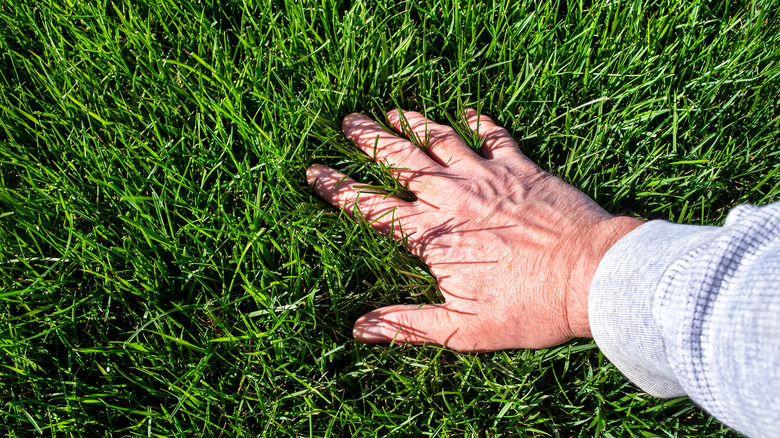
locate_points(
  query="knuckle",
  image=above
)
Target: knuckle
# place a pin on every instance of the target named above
(498, 134)
(434, 184)
(448, 141)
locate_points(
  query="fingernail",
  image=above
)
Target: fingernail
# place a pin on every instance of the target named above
(368, 333)
(352, 120)
(313, 173)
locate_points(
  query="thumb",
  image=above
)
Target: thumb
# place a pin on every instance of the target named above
(438, 324)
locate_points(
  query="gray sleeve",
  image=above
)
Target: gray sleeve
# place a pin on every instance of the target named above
(692, 310)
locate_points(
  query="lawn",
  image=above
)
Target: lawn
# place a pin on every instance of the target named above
(166, 271)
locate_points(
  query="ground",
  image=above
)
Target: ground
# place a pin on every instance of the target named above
(166, 271)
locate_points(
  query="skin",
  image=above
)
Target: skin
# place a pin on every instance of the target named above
(513, 248)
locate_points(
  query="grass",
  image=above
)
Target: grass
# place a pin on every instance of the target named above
(166, 271)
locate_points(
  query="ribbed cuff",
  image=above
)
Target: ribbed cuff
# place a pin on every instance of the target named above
(621, 297)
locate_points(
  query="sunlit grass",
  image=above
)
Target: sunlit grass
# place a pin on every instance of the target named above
(165, 270)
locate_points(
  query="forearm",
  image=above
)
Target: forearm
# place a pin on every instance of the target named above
(693, 310)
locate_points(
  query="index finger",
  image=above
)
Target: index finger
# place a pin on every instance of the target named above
(387, 214)
(408, 163)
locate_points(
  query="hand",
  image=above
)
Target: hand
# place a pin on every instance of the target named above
(513, 248)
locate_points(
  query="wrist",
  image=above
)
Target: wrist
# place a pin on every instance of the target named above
(595, 244)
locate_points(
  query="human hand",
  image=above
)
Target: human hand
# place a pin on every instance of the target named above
(513, 248)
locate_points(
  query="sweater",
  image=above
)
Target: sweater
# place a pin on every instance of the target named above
(695, 310)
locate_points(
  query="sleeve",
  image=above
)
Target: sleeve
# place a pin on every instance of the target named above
(693, 310)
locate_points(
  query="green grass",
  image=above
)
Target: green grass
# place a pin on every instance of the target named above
(166, 271)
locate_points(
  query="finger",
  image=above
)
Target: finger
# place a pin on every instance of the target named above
(436, 324)
(387, 214)
(441, 142)
(498, 143)
(408, 163)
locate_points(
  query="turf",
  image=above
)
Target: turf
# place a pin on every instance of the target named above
(166, 271)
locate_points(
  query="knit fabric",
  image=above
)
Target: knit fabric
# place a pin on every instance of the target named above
(691, 310)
